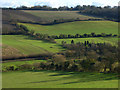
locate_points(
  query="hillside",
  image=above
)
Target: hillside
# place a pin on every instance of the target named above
(49, 16)
(78, 27)
(9, 17)
(19, 45)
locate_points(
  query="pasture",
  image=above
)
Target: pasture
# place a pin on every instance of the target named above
(78, 27)
(58, 79)
(18, 63)
(24, 45)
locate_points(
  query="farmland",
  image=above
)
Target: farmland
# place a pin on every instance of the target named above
(18, 63)
(47, 16)
(88, 65)
(78, 27)
(24, 45)
(58, 79)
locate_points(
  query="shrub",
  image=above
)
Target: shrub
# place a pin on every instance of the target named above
(26, 67)
(58, 59)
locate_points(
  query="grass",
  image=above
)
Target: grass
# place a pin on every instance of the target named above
(27, 46)
(58, 79)
(17, 63)
(78, 27)
(112, 41)
(47, 16)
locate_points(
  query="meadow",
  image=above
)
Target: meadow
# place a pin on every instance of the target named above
(18, 63)
(78, 27)
(20, 45)
(58, 79)
(24, 45)
(47, 16)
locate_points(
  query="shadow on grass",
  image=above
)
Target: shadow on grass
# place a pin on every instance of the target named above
(78, 76)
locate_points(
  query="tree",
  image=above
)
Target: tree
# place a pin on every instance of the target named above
(72, 42)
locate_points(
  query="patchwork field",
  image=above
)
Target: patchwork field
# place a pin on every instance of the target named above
(47, 16)
(58, 79)
(25, 45)
(113, 41)
(78, 27)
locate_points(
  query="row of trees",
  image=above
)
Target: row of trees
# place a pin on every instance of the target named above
(106, 12)
(63, 36)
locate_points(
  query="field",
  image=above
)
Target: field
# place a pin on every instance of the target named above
(78, 27)
(25, 45)
(113, 41)
(47, 16)
(58, 79)
(21, 45)
(18, 63)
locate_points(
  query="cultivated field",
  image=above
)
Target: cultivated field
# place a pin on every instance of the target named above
(47, 16)
(58, 79)
(78, 27)
(25, 45)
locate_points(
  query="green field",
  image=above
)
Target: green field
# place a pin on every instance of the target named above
(18, 63)
(47, 16)
(113, 41)
(78, 27)
(26, 45)
(58, 79)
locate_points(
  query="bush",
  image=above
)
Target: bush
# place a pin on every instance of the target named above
(26, 67)
(58, 59)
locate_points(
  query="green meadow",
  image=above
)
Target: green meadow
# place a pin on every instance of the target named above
(58, 79)
(78, 27)
(27, 45)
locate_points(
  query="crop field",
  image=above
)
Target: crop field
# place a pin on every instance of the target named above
(58, 79)
(24, 45)
(78, 27)
(113, 41)
(47, 16)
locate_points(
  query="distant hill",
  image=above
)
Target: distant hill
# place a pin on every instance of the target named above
(11, 17)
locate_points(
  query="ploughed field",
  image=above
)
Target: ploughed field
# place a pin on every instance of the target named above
(77, 27)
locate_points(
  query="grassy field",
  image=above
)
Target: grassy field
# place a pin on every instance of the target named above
(24, 45)
(15, 63)
(58, 79)
(112, 41)
(47, 16)
(18, 63)
(78, 27)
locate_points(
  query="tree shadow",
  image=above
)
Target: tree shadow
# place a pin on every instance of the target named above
(79, 77)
